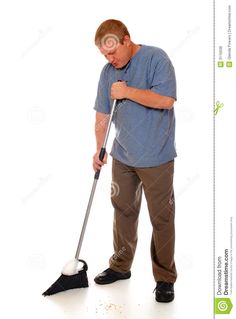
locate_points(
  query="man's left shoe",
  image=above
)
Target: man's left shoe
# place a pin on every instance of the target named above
(164, 291)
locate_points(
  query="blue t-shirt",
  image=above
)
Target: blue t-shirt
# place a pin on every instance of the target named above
(145, 137)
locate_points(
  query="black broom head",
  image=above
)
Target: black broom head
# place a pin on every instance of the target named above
(65, 282)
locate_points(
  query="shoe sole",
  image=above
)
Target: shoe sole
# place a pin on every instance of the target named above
(164, 300)
(109, 282)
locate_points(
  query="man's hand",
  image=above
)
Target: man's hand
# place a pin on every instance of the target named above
(119, 90)
(97, 164)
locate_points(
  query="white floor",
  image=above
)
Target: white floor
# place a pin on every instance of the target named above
(43, 242)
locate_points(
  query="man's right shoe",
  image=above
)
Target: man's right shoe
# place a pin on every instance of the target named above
(108, 276)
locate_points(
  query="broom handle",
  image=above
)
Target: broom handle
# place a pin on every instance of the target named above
(96, 177)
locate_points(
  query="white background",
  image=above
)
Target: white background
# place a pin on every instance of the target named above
(49, 71)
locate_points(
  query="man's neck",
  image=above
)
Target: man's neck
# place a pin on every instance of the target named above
(135, 48)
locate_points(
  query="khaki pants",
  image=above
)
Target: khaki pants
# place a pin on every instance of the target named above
(157, 183)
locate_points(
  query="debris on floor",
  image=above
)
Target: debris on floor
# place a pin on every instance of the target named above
(107, 307)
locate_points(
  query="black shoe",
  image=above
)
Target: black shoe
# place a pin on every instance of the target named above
(108, 276)
(164, 291)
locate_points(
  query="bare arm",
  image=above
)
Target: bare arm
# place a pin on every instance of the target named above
(101, 123)
(120, 90)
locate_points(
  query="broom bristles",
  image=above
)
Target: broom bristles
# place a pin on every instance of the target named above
(64, 282)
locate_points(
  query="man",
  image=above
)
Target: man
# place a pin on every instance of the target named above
(142, 79)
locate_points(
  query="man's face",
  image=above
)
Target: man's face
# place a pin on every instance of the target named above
(119, 54)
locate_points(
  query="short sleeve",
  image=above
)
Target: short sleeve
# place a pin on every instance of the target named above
(102, 103)
(163, 79)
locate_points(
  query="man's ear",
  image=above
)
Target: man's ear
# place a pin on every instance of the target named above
(127, 41)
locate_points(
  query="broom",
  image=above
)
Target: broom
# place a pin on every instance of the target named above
(73, 274)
